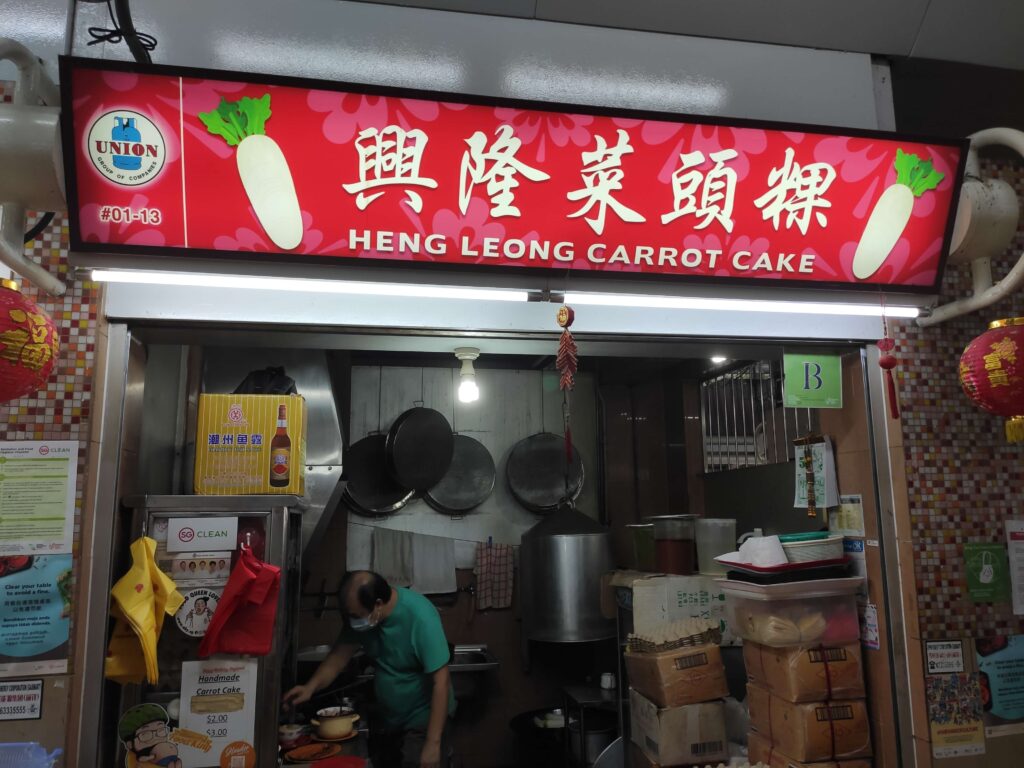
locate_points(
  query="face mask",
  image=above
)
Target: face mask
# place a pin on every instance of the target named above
(359, 625)
(362, 625)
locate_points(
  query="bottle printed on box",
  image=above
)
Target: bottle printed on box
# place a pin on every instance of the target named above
(280, 451)
(124, 130)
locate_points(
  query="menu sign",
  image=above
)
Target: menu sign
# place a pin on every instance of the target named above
(176, 161)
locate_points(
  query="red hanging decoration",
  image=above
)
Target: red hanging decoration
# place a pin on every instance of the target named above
(887, 362)
(29, 344)
(992, 373)
(567, 361)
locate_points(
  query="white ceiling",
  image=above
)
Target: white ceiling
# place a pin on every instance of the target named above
(984, 32)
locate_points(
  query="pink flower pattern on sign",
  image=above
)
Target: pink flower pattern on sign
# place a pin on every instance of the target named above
(254, 239)
(536, 129)
(345, 114)
(699, 138)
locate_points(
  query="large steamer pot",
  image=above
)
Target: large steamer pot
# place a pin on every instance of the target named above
(561, 561)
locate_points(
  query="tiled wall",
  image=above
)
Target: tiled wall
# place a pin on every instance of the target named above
(59, 411)
(963, 478)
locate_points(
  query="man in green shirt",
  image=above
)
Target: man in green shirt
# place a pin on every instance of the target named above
(401, 632)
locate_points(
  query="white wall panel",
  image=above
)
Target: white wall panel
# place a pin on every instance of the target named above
(507, 57)
(38, 24)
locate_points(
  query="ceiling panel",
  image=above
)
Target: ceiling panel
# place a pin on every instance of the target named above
(518, 8)
(978, 32)
(868, 26)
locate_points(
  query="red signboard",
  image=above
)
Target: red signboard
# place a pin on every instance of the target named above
(173, 161)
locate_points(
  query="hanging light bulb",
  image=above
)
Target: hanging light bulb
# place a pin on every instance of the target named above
(469, 392)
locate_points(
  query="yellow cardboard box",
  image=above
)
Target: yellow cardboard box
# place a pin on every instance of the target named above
(239, 450)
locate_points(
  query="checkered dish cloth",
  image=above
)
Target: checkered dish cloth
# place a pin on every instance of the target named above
(494, 573)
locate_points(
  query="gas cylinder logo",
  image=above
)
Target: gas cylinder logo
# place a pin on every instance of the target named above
(126, 147)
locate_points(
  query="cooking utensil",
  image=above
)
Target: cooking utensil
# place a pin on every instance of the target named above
(371, 491)
(332, 725)
(468, 481)
(419, 449)
(311, 752)
(536, 472)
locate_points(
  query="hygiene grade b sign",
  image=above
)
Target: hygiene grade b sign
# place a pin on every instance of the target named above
(172, 161)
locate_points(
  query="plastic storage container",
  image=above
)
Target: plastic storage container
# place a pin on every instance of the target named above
(26, 755)
(643, 546)
(715, 536)
(675, 549)
(801, 613)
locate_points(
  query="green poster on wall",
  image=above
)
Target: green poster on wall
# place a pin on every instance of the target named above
(988, 573)
(813, 381)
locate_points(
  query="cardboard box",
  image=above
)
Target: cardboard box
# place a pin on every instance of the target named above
(663, 599)
(679, 677)
(822, 731)
(801, 675)
(235, 445)
(679, 735)
(761, 751)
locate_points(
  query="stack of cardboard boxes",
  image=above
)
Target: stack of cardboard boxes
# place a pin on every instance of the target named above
(676, 709)
(807, 706)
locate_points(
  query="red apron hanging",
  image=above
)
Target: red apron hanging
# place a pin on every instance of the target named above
(244, 620)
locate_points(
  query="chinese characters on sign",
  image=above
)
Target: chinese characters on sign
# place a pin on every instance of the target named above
(369, 175)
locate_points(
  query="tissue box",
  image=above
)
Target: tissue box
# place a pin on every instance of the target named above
(760, 750)
(823, 731)
(678, 677)
(679, 735)
(663, 599)
(800, 675)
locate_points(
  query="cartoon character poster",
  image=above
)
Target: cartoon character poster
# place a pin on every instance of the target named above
(150, 739)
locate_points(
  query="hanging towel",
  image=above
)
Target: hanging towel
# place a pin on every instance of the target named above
(359, 547)
(465, 554)
(494, 573)
(244, 619)
(139, 602)
(392, 556)
(433, 565)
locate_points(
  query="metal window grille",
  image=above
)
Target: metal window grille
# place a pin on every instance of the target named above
(743, 420)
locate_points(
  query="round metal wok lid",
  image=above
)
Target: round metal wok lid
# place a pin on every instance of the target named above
(371, 491)
(468, 481)
(536, 472)
(419, 449)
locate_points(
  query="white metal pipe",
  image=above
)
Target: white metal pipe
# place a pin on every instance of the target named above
(985, 293)
(12, 252)
(1013, 280)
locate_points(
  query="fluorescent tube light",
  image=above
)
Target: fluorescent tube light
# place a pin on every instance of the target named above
(245, 282)
(739, 305)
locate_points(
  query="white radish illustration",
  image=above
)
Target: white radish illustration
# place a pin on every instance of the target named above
(891, 213)
(262, 166)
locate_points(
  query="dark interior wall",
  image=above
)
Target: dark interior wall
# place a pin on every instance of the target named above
(949, 99)
(758, 497)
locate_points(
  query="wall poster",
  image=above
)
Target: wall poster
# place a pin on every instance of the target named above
(37, 496)
(35, 611)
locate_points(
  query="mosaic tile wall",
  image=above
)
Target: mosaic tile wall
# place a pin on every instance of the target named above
(963, 478)
(59, 411)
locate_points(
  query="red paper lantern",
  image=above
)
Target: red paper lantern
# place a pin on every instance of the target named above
(992, 373)
(29, 344)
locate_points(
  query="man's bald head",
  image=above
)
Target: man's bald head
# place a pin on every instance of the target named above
(361, 592)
